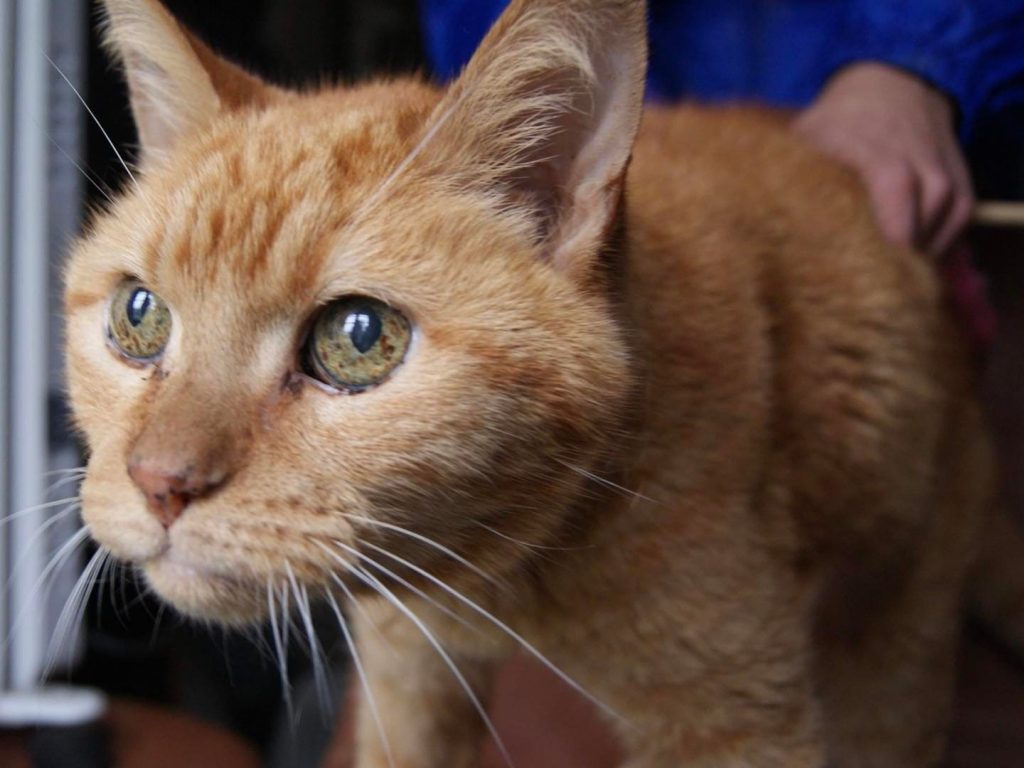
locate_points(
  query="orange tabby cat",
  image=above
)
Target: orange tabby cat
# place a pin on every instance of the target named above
(414, 346)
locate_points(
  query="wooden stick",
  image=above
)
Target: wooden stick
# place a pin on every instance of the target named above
(999, 213)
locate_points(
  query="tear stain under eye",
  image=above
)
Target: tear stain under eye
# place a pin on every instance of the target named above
(294, 383)
(290, 389)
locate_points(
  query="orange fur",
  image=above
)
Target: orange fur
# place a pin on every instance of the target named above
(781, 392)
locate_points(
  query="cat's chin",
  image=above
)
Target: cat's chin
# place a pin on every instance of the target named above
(202, 594)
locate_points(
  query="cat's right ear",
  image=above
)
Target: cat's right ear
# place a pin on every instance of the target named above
(177, 84)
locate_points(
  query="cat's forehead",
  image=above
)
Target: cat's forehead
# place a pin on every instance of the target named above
(260, 199)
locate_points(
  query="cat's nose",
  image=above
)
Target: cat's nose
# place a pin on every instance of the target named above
(169, 492)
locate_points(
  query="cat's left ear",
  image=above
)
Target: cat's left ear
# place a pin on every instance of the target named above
(177, 84)
(546, 114)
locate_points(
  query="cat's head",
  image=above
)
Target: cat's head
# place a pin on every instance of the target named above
(315, 318)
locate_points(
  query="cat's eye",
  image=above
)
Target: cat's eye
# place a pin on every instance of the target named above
(138, 322)
(356, 342)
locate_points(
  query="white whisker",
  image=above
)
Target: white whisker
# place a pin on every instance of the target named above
(155, 633)
(123, 569)
(114, 574)
(256, 636)
(286, 618)
(279, 648)
(315, 651)
(74, 607)
(504, 627)
(430, 543)
(62, 482)
(374, 583)
(404, 582)
(72, 507)
(95, 119)
(56, 561)
(105, 580)
(399, 169)
(88, 176)
(38, 508)
(527, 544)
(367, 619)
(319, 655)
(68, 471)
(360, 671)
(607, 483)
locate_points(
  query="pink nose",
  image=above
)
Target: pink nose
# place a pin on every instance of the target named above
(168, 493)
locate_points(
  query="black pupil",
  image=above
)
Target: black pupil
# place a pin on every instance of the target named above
(363, 327)
(139, 304)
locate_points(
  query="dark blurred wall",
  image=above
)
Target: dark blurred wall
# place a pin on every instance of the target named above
(302, 40)
(287, 41)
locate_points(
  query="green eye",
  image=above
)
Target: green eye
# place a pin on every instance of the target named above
(356, 342)
(139, 322)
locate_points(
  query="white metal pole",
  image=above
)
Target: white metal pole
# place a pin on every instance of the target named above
(6, 109)
(29, 317)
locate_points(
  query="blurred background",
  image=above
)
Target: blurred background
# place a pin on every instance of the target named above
(55, 164)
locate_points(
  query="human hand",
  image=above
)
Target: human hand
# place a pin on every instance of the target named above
(897, 133)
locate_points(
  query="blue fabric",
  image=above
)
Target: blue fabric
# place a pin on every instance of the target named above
(783, 51)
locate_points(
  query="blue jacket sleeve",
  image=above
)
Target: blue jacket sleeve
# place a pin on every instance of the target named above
(452, 30)
(973, 50)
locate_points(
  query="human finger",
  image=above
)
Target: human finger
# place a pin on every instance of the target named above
(893, 188)
(958, 216)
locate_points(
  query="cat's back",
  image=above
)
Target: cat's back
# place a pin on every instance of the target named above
(783, 336)
(737, 188)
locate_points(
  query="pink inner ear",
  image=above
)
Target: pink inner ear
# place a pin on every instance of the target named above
(566, 177)
(156, 118)
(597, 171)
